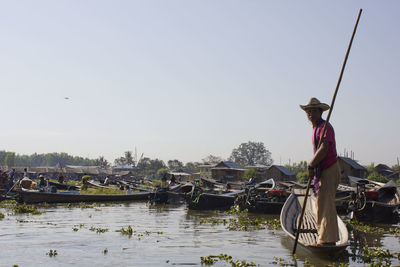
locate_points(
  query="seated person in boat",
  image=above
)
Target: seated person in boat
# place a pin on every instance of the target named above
(128, 190)
(4, 180)
(324, 170)
(61, 178)
(164, 180)
(106, 181)
(42, 181)
(172, 181)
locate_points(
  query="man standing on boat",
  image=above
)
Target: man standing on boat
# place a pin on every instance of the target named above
(325, 172)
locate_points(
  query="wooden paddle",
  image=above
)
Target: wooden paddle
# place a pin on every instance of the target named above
(324, 130)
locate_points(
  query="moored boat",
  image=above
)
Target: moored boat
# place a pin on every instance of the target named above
(264, 197)
(308, 236)
(30, 196)
(60, 186)
(200, 200)
(380, 202)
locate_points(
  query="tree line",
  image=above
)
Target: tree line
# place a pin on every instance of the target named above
(246, 154)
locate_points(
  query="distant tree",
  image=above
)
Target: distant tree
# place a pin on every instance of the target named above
(250, 154)
(10, 159)
(127, 159)
(297, 167)
(374, 176)
(211, 159)
(2, 157)
(249, 173)
(370, 167)
(175, 164)
(192, 165)
(161, 172)
(302, 177)
(102, 162)
(156, 164)
(144, 163)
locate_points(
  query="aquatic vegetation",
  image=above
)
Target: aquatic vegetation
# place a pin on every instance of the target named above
(2, 215)
(23, 208)
(370, 229)
(8, 204)
(98, 230)
(212, 220)
(105, 251)
(102, 191)
(52, 253)
(210, 260)
(376, 256)
(128, 231)
(282, 262)
(75, 229)
(242, 221)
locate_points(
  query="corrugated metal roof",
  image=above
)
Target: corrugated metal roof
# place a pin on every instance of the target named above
(283, 170)
(227, 164)
(353, 163)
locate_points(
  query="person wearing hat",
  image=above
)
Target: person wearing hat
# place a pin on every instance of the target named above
(324, 170)
(42, 182)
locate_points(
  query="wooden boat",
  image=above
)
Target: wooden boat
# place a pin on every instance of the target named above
(29, 196)
(264, 198)
(94, 184)
(175, 194)
(63, 186)
(308, 237)
(343, 196)
(381, 202)
(200, 200)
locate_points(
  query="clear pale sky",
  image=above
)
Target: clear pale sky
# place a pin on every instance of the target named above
(185, 79)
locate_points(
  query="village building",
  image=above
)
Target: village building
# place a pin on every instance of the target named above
(280, 173)
(349, 167)
(277, 172)
(227, 171)
(386, 171)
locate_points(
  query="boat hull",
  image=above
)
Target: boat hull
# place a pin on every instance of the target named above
(308, 237)
(207, 201)
(41, 197)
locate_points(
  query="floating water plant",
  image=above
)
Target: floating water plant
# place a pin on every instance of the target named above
(8, 203)
(23, 208)
(1, 215)
(75, 229)
(376, 256)
(52, 253)
(128, 231)
(105, 251)
(210, 260)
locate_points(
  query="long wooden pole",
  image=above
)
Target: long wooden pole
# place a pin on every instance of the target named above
(324, 129)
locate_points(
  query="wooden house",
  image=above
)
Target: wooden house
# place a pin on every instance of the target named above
(279, 173)
(349, 167)
(386, 171)
(227, 171)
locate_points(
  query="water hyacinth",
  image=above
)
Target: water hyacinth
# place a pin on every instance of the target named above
(211, 260)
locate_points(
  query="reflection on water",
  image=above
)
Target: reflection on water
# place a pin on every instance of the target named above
(164, 235)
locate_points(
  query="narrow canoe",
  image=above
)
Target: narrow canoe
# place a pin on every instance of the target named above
(64, 186)
(40, 197)
(308, 236)
(209, 201)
